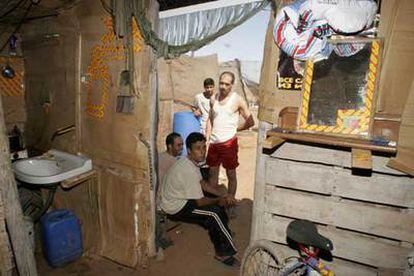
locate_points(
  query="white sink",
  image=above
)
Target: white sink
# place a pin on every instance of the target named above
(52, 167)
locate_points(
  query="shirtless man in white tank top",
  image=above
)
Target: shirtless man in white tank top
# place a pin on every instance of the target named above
(225, 109)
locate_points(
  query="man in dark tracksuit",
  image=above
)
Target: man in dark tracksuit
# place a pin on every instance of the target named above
(182, 199)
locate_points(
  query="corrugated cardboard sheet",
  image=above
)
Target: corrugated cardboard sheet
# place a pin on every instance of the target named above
(272, 100)
(113, 141)
(12, 93)
(405, 154)
(181, 79)
(397, 26)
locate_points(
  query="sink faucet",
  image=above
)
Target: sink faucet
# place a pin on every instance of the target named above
(62, 130)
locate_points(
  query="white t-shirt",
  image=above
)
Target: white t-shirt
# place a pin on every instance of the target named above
(165, 162)
(181, 183)
(202, 103)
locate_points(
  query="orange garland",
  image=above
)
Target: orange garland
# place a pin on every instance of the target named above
(110, 49)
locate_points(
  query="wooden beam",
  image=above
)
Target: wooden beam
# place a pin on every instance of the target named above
(259, 187)
(361, 159)
(24, 255)
(6, 255)
(378, 188)
(76, 180)
(332, 141)
(272, 142)
(152, 153)
(348, 245)
(378, 220)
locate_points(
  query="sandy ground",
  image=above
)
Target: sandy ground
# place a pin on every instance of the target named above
(192, 252)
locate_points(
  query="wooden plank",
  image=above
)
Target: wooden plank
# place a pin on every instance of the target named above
(361, 159)
(383, 221)
(24, 255)
(400, 165)
(259, 187)
(6, 253)
(301, 176)
(332, 141)
(340, 267)
(152, 150)
(347, 245)
(383, 189)
(76, 180)
(379, 188)
(272, 142)
(329, 156)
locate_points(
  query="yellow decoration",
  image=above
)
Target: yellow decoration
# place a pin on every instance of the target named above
(110, 49)
(363, 116)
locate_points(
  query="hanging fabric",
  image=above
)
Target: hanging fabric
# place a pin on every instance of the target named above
(187, 32)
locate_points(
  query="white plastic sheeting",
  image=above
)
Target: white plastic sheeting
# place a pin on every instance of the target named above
(186, 28)
(345, 16)
(300, 34)
(302, 28)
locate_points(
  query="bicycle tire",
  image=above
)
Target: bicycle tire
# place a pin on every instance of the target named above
(260, 259)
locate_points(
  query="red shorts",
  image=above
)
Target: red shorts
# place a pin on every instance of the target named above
(224, 153)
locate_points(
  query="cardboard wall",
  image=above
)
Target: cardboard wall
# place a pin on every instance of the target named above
(397, 73)
(12, 93)
(113, 139)
(271, 99)
(82, 77)
(181, 79)
(84, 202)
(50, 90)
(405, 155)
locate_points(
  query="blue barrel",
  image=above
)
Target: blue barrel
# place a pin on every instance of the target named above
(61, 237)
(185, 123)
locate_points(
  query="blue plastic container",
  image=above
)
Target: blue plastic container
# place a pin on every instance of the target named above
(61, 237)
(185, 123)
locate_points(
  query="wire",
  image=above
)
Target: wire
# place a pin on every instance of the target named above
(106, 7)
(18, 25)
(13, 8)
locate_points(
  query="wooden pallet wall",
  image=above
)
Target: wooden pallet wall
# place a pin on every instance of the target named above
(370, 219)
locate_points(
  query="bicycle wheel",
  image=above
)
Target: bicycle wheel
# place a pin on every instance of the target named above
(260, 259)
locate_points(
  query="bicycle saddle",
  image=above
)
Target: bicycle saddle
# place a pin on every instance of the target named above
(305, 232)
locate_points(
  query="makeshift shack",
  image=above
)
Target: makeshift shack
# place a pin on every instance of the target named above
(102, 79)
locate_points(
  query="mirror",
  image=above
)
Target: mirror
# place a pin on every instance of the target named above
(338, 94)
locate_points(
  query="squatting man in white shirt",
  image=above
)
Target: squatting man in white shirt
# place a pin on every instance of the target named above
(182, 199)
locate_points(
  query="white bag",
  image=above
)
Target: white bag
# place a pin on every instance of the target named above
(300, 34)
(345, 16)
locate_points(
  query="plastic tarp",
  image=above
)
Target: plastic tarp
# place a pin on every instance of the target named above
(345, 16)
(186, 28)
(302, 28)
